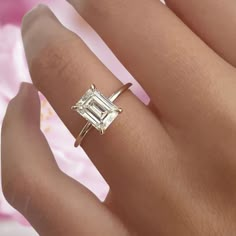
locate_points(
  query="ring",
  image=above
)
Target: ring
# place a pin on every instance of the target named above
(99, 111)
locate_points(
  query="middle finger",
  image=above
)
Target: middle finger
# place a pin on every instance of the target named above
(183, 76)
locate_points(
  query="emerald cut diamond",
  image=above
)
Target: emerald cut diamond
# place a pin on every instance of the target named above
(97, 109)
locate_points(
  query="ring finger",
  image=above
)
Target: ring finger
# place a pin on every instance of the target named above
(63, 68)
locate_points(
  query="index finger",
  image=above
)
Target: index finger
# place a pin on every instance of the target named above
(32, 182)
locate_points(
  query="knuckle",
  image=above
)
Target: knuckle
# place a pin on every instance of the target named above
(8, 189)
(52, 64)
(18, 185)
(11, 187)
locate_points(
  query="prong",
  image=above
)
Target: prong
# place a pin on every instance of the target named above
(120, 110)
(93, 87)
(74, 108)
(102, 131)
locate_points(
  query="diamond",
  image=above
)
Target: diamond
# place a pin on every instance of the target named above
(97, 109)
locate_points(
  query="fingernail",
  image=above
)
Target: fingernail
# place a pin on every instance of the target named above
(23, 87)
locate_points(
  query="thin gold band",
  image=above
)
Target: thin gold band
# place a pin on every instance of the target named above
(89, 126)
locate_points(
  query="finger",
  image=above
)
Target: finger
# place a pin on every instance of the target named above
(63, 71)
(213, 21)
(52, 202)
(180, 73)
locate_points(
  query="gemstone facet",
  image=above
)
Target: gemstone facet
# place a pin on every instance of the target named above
(97, 109)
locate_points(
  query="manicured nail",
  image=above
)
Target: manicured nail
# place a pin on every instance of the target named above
(23, 87)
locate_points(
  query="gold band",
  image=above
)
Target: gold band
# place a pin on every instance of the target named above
(89, 126)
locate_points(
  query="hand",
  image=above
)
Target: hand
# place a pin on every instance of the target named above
(171, 166)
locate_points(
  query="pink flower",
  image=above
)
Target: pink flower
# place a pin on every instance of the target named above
(13, 70)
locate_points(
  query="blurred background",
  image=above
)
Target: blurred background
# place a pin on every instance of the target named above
(13, 70)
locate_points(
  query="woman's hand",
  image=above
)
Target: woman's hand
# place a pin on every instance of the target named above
(171, 166)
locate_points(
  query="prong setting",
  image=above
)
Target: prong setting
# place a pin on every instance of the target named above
(120, 110)
(93, 87)
(74, 108)
(102, 131)
(98, 110)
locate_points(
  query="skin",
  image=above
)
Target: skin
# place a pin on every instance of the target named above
(171, 166)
